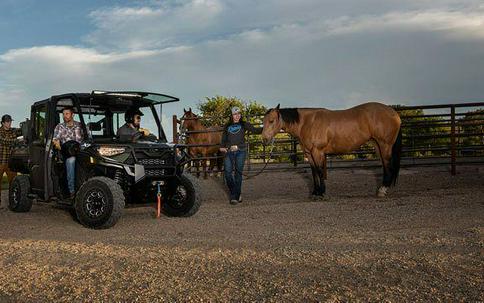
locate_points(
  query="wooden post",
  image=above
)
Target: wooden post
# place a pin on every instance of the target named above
(325, 167)
(264, 152)
(452, 141)
(294, 151)
(175, 131)
(247, 146)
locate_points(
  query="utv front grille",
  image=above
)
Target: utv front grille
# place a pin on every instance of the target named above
(157, 162)
(155, 157)
(158, 172)
(152, 162)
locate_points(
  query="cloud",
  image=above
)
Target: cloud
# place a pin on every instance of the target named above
(451, 22)
(168, 23)
(153, 27)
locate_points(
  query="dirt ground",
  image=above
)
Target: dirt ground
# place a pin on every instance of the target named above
(424, 242)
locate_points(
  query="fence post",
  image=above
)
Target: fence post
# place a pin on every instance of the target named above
(247, 154)
(175, 132)
(325, 168)
(452, 141)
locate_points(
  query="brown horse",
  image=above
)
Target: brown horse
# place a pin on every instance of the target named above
(202, 135)
(321, 131)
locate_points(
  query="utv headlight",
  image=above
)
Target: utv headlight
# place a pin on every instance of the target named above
(107, 151)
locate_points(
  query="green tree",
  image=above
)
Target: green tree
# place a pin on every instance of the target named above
(216, 110)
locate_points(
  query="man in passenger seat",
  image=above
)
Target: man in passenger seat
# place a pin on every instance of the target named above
(66, 131)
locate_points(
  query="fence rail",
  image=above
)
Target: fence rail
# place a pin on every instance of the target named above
(443, 134)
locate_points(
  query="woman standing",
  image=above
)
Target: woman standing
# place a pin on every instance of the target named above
(233, 145)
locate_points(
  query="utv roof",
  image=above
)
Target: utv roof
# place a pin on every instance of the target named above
(118, 98)
(154, 98)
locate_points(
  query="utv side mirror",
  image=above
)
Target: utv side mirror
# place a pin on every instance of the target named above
(25, 128)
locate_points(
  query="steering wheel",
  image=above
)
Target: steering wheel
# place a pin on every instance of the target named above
(70, 149)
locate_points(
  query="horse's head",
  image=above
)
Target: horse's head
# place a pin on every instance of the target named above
(188, 121)
(272, 124)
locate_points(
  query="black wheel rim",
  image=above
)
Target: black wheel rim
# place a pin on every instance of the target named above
(95, 203)
(179, 198)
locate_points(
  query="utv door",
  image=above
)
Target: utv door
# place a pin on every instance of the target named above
(38, 148)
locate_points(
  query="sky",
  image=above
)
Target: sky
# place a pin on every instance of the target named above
(304, 53)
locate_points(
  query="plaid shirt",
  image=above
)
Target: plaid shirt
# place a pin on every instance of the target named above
(64, 133)
(7, 139)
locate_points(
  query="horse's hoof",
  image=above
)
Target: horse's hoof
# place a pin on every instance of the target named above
(317, 197)
(382, 192)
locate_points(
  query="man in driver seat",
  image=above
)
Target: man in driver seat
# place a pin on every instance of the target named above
(66, 131)
(131, 130)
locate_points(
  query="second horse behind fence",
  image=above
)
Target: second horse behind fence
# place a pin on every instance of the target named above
(205, 142)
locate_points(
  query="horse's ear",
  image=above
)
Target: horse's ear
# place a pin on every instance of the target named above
(184, 110)
(190, 109)
(278, 105)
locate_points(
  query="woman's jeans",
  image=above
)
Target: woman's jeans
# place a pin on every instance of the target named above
(233, 168)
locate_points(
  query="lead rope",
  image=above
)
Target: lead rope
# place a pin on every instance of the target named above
(158, 195)
(247, 176)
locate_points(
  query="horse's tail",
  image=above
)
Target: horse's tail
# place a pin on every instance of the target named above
(395, 159)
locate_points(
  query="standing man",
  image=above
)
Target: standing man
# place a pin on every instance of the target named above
(7, 139)
(69, 130)
(233, 145)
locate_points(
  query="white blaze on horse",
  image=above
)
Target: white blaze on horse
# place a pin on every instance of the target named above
(321, 131)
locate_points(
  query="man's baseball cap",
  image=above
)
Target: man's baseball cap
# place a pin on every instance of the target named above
(235, 110)
(6, 118)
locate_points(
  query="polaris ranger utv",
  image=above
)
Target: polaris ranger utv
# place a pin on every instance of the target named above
(109, 172)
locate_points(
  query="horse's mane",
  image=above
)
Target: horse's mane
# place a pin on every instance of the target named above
(289, 115)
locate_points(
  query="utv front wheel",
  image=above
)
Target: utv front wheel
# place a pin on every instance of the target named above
(183, 199)
(99, 203)
(18, 200)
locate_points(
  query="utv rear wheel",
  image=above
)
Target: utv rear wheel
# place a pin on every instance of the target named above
(18, 199)
(183, 199)
(99, 203)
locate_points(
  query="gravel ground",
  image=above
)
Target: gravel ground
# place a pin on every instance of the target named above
(424, 242)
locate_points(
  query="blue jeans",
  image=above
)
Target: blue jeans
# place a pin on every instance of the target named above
(71, 174)
(233, 168)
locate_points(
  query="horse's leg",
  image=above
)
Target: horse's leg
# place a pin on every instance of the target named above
(307, 154)
(385, 151)
(322, 174)
(220, 161)
(197, 167)
(316, 182)
(204, 166)
(213, 163)
(317, 157)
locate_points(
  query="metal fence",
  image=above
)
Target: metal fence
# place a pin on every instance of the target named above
(445, 135)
